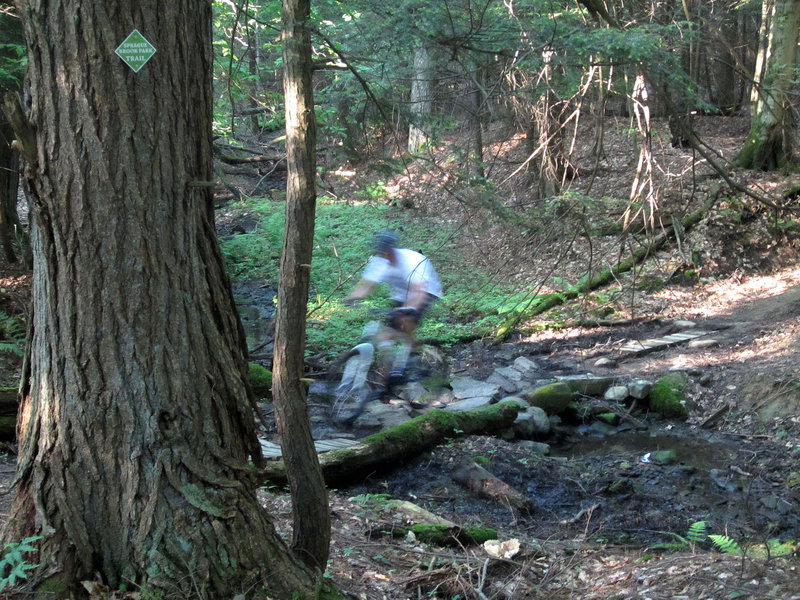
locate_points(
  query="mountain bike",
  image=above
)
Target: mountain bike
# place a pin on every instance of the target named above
(363, 374)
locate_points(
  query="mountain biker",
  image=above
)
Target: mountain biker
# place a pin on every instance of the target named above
(414, 286)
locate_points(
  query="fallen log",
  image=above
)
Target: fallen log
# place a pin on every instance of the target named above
(389, 449)
(544, 302)
(483, 483)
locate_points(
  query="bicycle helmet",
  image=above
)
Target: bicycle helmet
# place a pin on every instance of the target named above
(385, 241)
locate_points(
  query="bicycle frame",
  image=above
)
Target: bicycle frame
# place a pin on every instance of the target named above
(365, 358)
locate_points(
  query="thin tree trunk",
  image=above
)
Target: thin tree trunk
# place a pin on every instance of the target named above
(311, 537)
(421, 99)
(9, 184)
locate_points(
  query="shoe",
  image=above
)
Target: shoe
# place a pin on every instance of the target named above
(396, 378)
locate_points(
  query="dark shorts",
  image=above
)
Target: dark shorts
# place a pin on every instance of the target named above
(415, 315)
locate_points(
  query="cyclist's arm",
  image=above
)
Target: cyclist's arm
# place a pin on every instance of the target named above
(362, 290)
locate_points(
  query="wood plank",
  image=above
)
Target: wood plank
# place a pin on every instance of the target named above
(652, 344)
(271, 450)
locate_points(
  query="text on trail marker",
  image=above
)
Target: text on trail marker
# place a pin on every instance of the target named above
(135, 50)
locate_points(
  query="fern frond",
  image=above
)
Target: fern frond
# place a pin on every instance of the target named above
(697, 532)
(725, 544)
(10, 348)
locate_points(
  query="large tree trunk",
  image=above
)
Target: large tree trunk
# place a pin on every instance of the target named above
(769, 142)
(309, 497)
(136, 424)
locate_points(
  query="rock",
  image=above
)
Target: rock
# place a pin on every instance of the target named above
(703, 343)
(663, 457)
(553, 398)
(506, 384)
(465, 388)
(535, 447)
(667, 396)
(587, 384)
(526, 367)
(415, 393)
(605, 363)
(387, 415)
(616, 393)
(532, 423)
(598, 429)
(681, 325)
(510, 373)
(640, 388)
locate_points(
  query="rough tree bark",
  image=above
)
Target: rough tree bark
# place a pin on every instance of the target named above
(309, 498)
(136, 424)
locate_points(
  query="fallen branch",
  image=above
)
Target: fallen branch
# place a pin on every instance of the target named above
(483, 483)
(545, 302)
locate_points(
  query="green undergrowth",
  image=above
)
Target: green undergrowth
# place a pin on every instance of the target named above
(473, 306)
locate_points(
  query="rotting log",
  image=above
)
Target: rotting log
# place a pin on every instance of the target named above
(545, 302)
(389, 449)
(483, 483)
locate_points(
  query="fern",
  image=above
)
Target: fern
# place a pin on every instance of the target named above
(725, 544)
(13, 565)
(694, 536)
(12, 335)
(697, 532)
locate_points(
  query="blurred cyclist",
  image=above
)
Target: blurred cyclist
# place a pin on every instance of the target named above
(414, 286)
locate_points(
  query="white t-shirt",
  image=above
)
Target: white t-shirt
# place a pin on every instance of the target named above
(410, 267)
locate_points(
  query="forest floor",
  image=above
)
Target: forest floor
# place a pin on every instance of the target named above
(603, 523)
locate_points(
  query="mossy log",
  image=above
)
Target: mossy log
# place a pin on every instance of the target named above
(545, 302)
(388, 449)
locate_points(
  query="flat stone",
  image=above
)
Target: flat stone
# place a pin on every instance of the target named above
(507, 385)
(587, 384)
(388, 415)
(465, 387)
(469, 404)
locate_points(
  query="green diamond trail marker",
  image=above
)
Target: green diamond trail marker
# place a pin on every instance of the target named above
(135, 51)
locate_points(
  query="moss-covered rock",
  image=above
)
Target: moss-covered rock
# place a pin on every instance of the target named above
(553, 398)
(667, 396)
(260, 380)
